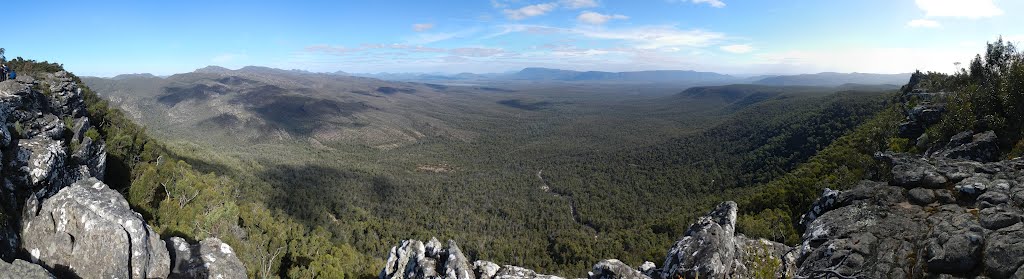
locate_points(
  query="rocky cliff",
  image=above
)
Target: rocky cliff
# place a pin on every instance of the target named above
(953, 212)
(57, 217)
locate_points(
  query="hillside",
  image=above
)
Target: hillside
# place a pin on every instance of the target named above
(260, 105)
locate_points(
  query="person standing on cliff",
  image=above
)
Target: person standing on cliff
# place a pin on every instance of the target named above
(4, 70)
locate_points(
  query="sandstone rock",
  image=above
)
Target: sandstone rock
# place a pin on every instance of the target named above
(910, 129)
(981, 147)
(89, 230)
(973, 186)
(708, 248)
(1004, 252)
(20, 269)
(209, 258)
(863, 236)
(413, 259)
(992, 199)
(80, 126)
(43, 160)
(945, 196)
(515, 272)
(485, 269)
(995, 218)
(826, 202)
(921, 196)
(910, 171)
(615, 269)
(648, 268)
(926, 114)
(93, 156)
(955, 241)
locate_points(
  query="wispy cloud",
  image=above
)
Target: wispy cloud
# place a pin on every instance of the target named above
(595, 18)
(738, 48)
(420, 27)
(958, 8)
(530, 11)
(423, 38)
(653, 37)
(348, 51)
(578, 4)
(923, 23)
(713, 3)
(643, 37)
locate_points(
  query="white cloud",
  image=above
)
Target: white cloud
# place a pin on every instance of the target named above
(594, 18)
(654, 37)
(923, 23)
(530, 11)
(870, 60)
(578, 4)
(738, 48)
(642, 37)
(713, 3)
(420, 27)
(404, 48)
(959, 8)
(433, 37)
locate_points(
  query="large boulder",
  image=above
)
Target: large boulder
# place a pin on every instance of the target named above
(515, 272)
(88, 230)
(42, 160)
(826, 202)
(708, 247)
(20, 269)
(927, 114)
(712, 249)
(209, 258)
(866, 235)
(910, 171)
(955, 241)
(1004, 252)
(615, 269)
(981, 147)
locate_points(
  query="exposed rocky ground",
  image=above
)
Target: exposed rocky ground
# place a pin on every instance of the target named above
(58, 218)
(953, 212)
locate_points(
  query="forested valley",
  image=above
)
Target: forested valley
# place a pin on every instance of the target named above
(551, 177)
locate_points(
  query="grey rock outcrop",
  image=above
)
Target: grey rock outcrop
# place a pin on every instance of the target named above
(615, 269)
(209, 258)
(88, 228)
(918, 118)
(413, 259)
(708, 247)
(901, 230)
(54, 210)
(20, 269)
(515, 272)
(981, 147)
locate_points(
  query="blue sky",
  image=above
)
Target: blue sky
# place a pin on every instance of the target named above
(729, 36)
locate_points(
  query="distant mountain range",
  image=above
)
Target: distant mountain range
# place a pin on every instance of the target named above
(830, 79)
